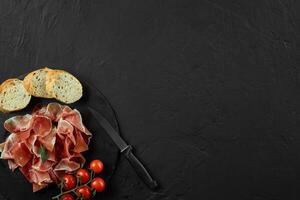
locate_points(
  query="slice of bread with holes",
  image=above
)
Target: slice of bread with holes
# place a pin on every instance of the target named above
(63, 86)
(13, 95)
(35, 83)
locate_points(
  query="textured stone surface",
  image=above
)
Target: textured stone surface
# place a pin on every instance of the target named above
(206, 90)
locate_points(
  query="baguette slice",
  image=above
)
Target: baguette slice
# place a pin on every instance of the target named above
(63, 86)
(13, 95)
(35, 83)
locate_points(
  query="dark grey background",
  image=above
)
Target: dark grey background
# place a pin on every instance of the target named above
(206, 90)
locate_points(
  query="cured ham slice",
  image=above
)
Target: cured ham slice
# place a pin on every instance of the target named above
(41, 166)
(37, 187)
(65, 130)
(46, 144)
(49, 140)
(41, 126)
(12, 165)
(18, 123)
(20, 154)
(67, 165)
(52, 110)
(74, 117)
(80, 144)
(8, 146)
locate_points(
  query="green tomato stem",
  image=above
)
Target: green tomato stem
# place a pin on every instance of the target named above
(92, 175)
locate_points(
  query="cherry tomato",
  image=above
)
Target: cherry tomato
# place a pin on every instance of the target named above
(69, 181)
(84, 192)
(98, 184)
(97, 166)
(84, 175)
(67, 197)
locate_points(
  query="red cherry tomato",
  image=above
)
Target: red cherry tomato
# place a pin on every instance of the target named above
(98, 184)
(84, 192)
(84, 175)
(69, 181)
(97, 166)
(67, 197)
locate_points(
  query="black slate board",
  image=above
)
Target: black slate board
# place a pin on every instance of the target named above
(207, 91)
(14, 185)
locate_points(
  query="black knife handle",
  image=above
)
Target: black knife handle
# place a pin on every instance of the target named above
(139, 168)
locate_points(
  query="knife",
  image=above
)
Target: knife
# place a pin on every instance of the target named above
(125, 149)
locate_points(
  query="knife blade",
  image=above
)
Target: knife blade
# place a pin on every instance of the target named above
(125, 149)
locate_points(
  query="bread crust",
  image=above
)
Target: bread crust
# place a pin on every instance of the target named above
(10, 83)
(58, 84)
(52, 79)
(30, 87)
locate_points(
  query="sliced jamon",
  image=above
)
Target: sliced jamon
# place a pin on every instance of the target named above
(81, 144)
(49, 140)
(21, 154)
(37, 187)
(46, 144)
(74, 117)
(12, 165)
(36, 150)
(18, 123)
(8, 146)
(67, 165)
(30, 142)
(65, 129)
(35, 176)
(41, 166)
(24, 135)
(54, 177)
(78, 157)
(39, 177)
(52, 110)
(52, 156)
(66, 153)
(42, 125)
